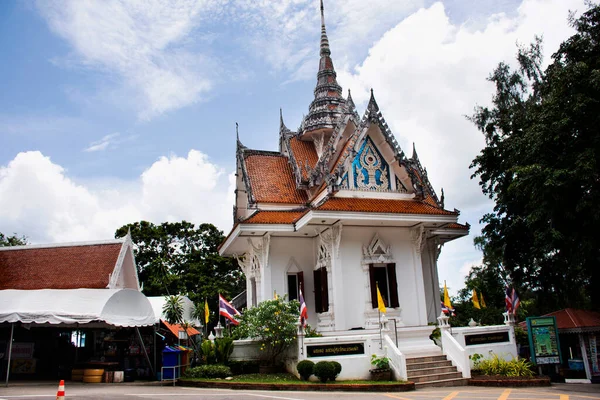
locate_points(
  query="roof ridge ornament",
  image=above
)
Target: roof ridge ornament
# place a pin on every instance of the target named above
(324, 40)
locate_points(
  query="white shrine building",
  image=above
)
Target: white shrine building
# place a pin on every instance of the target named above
(336, 210)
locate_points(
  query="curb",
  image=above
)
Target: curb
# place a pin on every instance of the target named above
(536, 382)
(328, 387)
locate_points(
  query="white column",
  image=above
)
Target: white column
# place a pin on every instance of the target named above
(418, 237)
(584, 355)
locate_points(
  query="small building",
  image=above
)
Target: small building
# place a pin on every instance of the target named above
(73, 304)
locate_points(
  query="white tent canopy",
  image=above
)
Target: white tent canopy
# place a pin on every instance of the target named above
(119, 307)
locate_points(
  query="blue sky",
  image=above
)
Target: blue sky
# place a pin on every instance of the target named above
(116, 111)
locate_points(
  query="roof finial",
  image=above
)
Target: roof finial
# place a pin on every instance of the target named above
(324, 41)
(237, 132)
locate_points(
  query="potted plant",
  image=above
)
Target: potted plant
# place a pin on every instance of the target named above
(381, 370)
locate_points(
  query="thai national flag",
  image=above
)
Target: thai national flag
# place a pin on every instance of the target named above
(512, 300)
(227, 310)
(303, 310)
(447, 311)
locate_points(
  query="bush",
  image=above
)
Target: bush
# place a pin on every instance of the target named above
(207, 352)
(337, 368)
(223, 349)
(208, 371)
(380, 362)
(324, 370)
(305, 369)
(498, 366)
(243, 367)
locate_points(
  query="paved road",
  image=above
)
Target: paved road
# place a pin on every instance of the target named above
(78, 391)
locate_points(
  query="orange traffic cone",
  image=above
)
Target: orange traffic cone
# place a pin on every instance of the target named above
(60, 394)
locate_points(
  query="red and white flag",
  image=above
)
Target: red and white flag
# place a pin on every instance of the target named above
(303, 310)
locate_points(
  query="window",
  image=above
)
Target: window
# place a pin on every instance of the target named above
(78, 338)
(384, 277)
(295, 282)
(321, 290)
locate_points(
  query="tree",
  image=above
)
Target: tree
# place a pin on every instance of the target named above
(541, 166)
(178, 258)
(274, 323)
(13, 240)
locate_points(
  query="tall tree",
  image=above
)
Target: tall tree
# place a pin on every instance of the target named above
(179, 258)
(541, 166)
(13, 240)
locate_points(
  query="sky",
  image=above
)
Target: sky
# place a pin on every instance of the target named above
(117, 111)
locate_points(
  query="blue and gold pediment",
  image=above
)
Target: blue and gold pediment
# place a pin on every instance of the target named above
(370, 170)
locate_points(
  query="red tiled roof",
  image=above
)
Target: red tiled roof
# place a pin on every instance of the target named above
(272, 180)
(275, 217)
(572, 318)
(381, 206)
(304, 151)
(68, 267)
(176, 328)
(455, 225)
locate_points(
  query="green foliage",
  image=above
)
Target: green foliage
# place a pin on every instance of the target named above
(521, 336)
(273, 323)
(13, 240)
(498, 366)
(223, 349)
(309, 332)
(207, 352)
(540, 166)
(324, 370)
(380, 362)
(305, 369)
(337, 368)
(173, 309)
(208, 371)
(243, 367)
(181, 258)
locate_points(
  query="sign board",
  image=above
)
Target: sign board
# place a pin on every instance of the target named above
(486, 338)
(332, 350)
(543, 340)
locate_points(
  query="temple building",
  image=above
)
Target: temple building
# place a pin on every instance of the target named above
(338, 211)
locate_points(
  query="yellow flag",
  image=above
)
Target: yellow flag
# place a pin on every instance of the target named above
(275, 295)
(206, 312)
(481, 300)
(446, 297)
(380, 302)
(475, 300)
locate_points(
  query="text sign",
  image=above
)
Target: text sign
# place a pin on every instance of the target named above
(330, 350)
(543, 340)
(486, 338)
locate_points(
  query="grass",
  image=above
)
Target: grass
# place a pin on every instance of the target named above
(287, 378)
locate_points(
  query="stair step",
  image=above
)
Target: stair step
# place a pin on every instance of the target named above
(436, 377)
(442, 383)
(418, 360)
(430, 364)
(430, 371)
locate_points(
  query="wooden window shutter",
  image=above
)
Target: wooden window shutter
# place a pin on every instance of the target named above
(301, 283)
(373, 286)
(391, 273)
(325, 292)
(318, 290)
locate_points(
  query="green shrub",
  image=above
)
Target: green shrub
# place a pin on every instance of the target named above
(243, 367)
(380, 362)
(207, 352)
(324, 370)
(208, 371)
(305, 369)
(498, 366)
(223, 349)
(309, 332)
(337, 368)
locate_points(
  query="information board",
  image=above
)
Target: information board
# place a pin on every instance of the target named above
(486, 338)
(543, 340)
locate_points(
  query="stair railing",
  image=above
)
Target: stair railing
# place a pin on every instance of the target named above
(453, 350)
(397, 359)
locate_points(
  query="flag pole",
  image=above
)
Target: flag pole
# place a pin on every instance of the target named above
(380, 337)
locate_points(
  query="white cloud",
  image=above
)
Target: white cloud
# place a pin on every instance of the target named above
(103, 143)
(428, 73)
(138, 41)
(39, 199)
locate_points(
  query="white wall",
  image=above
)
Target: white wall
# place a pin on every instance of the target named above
(282, 250)
(505, 350)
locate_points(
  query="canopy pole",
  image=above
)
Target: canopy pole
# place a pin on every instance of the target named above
(145, 352)
(12, 331)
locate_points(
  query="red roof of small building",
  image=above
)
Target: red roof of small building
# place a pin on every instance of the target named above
(275, 217)
(272, 180)
(304, 152)
(176, 328)
(58, 267)
(572, 318)
(381, 206)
